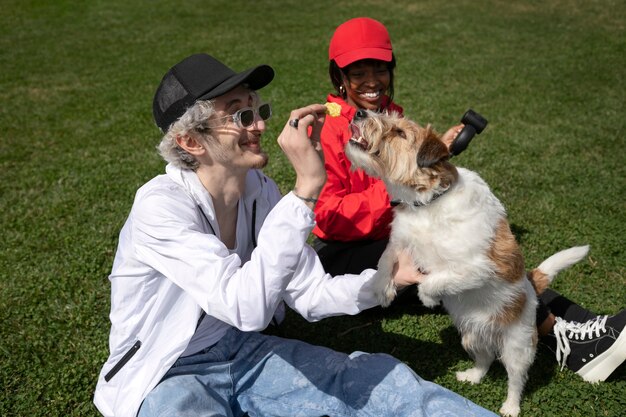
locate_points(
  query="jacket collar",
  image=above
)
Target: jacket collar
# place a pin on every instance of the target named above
(189, 181)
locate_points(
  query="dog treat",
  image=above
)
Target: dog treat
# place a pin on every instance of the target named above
(333, 109)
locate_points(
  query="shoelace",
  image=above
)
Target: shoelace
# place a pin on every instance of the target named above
(566, 330)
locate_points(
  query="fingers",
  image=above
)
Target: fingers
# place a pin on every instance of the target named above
(314, 110)
(305, 117)
(457, 129)
(303, 153)
(317, 127)
(451, 134)
(304, 127)
(405, 271)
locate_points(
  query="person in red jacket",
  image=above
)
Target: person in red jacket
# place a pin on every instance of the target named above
(353, 213)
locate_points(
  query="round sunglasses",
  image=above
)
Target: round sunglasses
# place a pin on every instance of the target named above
(245, 117)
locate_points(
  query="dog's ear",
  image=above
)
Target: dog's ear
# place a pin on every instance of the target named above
(431, 151)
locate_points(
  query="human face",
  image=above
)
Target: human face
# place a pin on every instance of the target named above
(233, 144)
(366, 82)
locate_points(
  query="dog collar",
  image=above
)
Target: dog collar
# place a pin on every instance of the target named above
(395, 203)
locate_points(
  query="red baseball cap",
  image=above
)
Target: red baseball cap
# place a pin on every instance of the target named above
(360, 38)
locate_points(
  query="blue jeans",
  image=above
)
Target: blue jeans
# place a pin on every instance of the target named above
(269, 376)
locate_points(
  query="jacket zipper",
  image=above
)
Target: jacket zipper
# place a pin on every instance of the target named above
(120, 364)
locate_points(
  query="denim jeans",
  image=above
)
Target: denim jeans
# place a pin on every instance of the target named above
(269, 376)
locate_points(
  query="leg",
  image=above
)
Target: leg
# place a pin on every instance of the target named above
(565, 308)
(482, 361)
(552, 304)
(339, 258)
(518, 354)
(483, 358)
(192, 387)
(282, 377)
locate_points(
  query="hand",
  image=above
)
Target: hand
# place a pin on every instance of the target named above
(405, 272)
(451, 134)
(305, 152)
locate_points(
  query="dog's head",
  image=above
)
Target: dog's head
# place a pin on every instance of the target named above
(411, 159)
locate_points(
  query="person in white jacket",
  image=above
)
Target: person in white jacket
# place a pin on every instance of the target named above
(211, 252)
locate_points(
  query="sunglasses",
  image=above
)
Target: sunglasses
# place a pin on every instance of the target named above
(245, 117)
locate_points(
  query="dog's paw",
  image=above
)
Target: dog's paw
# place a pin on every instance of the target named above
(427, 300)
(390, 292)
(473, 376)
(384, 289)
(387, 294)
(510, 409)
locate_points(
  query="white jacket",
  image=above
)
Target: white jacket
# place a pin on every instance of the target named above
(170, 266)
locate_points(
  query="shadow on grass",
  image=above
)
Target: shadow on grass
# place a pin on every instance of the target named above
(519, 232)
(365, 332)
(434, 354)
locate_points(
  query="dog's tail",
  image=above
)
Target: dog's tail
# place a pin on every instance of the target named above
(542, 276)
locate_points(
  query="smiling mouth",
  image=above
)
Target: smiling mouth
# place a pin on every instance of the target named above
(371, 95)
(251, 143)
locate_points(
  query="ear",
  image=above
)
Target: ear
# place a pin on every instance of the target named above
(432, 151)
(190, 144)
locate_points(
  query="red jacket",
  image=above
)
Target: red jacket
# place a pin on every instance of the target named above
(352, 205)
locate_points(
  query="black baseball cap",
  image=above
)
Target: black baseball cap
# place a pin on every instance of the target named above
(200, 77)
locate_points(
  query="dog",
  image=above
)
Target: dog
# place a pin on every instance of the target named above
(457, 232)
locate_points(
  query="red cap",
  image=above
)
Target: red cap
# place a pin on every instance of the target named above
(360, 38)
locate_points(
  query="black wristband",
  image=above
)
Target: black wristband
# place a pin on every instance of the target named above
(307, 199)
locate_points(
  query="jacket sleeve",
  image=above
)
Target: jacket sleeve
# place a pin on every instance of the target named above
(315, 294)
(170, 239)
(352, 206)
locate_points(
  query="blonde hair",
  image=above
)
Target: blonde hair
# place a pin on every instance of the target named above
(194, 122)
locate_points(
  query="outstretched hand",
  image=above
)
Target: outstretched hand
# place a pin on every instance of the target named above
(303, 149)
(405, 272)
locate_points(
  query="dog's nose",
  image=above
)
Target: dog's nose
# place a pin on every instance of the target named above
(360, 115)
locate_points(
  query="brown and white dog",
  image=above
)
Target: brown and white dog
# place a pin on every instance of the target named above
(457, 232)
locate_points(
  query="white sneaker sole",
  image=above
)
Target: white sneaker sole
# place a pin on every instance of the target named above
(601, 367)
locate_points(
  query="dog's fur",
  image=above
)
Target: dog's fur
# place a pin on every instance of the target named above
(457, 232)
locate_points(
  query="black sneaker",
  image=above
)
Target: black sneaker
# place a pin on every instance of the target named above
(593, 349)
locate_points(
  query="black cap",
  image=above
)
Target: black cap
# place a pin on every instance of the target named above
(200, 77)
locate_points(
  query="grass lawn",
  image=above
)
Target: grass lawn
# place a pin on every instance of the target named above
(77, 140)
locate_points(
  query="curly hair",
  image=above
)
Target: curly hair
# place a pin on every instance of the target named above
(194, 123)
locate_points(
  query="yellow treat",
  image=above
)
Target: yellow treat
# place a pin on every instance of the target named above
(333, 109)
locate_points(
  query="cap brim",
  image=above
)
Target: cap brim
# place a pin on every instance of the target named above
(256, 78)
(348, 58)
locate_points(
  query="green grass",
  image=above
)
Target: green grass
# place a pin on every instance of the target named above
(77, 139)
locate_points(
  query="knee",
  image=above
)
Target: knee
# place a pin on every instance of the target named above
(383, 367)
(183, 396)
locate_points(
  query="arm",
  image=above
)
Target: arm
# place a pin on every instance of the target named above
(315, 294)
(169, 238)
(301, 145)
